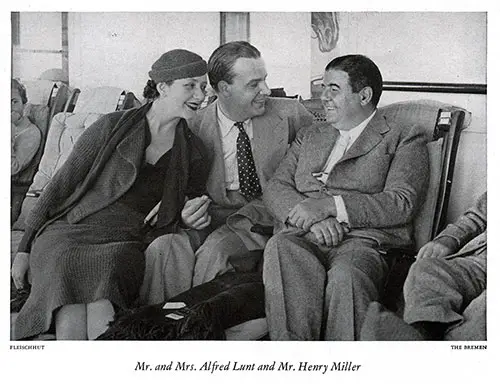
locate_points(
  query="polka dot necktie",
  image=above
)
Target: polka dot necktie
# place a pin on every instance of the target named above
(249, 181)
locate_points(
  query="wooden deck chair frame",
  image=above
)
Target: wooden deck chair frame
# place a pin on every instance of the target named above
(126, 101)
(449, 126)
(72, 99)
(58, 99)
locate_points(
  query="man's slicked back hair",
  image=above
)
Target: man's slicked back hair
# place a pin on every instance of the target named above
(221, 62)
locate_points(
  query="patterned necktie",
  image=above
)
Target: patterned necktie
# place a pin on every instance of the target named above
(247, 174)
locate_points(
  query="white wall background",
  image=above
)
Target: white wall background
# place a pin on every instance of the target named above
(284, 40)
(118, 49)
(426, 46)
(415, 46)
(37, 31)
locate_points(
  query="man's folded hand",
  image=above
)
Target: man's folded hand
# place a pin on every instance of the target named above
(310, 211)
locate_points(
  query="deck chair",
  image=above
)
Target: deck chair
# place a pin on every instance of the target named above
(72, 98)
(65, 129)
(443, 124)
(315, 107)
(104, 100)
(54, 94)
(280, 92)
(45, 99)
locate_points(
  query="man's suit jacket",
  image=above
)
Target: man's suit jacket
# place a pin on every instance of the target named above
(272, 134)
(469, 230)
(382, 178)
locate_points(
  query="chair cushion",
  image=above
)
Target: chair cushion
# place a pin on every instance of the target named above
(64, 131)
(98, 100)
(38, 91)
(425, 218)
(38, 115)
(419, 112)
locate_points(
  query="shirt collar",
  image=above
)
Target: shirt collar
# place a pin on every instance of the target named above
(226, 124)
(354, 133)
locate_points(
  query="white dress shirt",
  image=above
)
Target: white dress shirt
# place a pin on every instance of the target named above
(229, 134)
(342, 145)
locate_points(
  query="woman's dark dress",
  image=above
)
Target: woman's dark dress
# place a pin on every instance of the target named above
(100, 257)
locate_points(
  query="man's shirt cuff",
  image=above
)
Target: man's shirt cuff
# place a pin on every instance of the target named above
(342, 216)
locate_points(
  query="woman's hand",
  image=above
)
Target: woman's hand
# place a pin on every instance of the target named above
(20, 268)
(195, 213)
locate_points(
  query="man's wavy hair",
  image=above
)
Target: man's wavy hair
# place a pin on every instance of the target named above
(221, 62)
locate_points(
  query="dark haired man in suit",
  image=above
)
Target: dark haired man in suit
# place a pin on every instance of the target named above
(346, 191)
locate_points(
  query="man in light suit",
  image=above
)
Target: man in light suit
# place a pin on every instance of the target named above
(445, 291)
(345, 192)
(237, 73)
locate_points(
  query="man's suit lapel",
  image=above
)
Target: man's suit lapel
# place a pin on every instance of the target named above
(318, 153)
(369, 138)
(210, 133)
(267, 135)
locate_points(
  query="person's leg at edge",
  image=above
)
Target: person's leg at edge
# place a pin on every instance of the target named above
(71, 322)
(438, 289)
(473, 327)
(99, 314)
(169, 266)
(212, 257)
(294, 283)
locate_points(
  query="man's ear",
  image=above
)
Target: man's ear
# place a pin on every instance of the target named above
(365, 95)
(224, 88)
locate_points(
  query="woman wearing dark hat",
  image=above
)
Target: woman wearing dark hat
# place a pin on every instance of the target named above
(85, 239)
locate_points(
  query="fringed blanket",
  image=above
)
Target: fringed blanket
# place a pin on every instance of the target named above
(228, 300)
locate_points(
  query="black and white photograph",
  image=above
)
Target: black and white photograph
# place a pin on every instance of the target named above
(220, 193)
